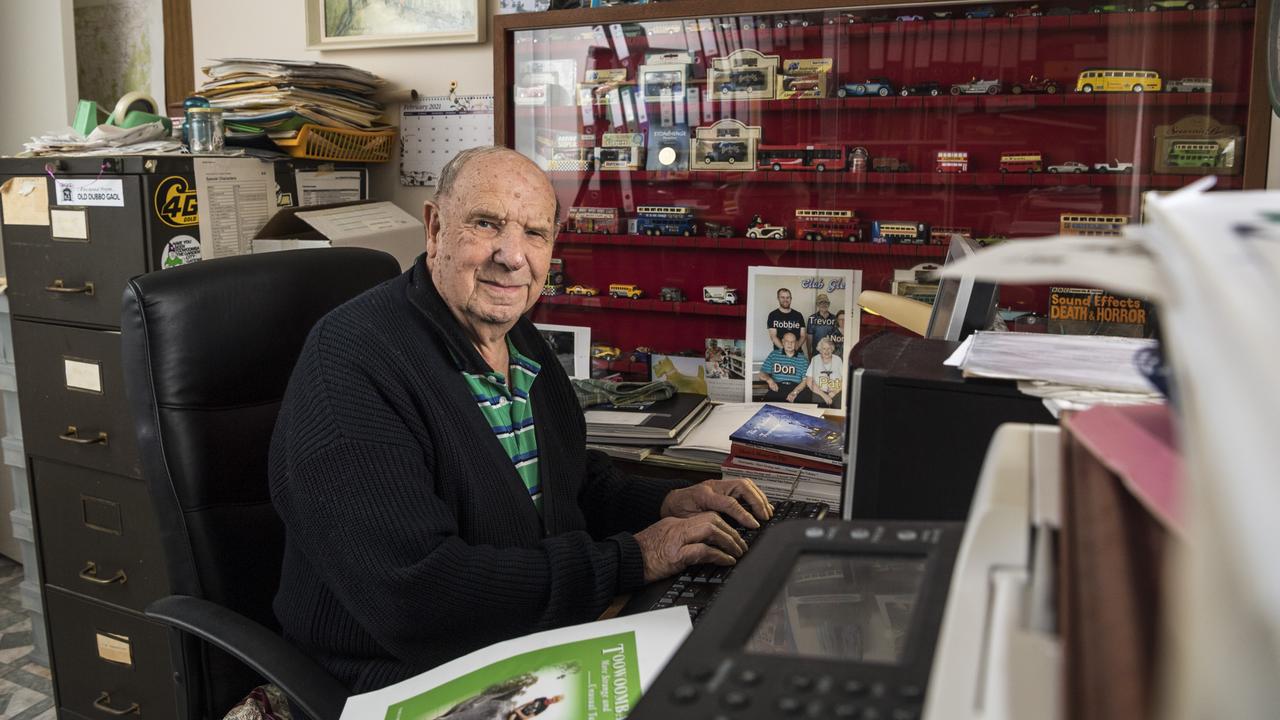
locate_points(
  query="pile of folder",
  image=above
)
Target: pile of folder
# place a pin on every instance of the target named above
(278, 97)
(789, 455)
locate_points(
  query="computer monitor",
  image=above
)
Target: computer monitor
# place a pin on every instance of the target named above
(963, 304)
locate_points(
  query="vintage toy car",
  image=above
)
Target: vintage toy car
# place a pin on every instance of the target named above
(1035, 85)
(800, 84)
(671, 294)
(1070, 166)
(719, 295)
(1156, 5)
(716, 230)
(909, 18)
(1113, 167)
(984, 11)
(727, 151)
(977, 87)
(928, 87)
(585, 290)
(767, 232)
(797, 21)
(625, 290)
(941, 15)
(874, 86)
(1189, 85)
(600, 351)
(743, 80)
(1024, 11)
(1111, 8)
(641, 354)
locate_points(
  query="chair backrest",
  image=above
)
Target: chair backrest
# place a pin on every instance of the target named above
(207, 353)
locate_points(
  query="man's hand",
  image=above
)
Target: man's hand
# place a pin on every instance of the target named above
(674, 543)
(772, 384)
(791, 396)
(727, 496)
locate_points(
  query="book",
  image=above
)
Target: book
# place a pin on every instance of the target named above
(661, 423)
(746, 464)
(792, 433)
(787, 459)
(709, 440)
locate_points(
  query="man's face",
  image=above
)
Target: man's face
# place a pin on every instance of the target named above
(784, 299)
(824, 309)
(489, 242)
(789, 343)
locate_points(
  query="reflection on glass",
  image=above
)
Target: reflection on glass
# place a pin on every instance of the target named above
(847, 608)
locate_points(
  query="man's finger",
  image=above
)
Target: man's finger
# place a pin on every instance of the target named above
(750, 493)
(699, 554)
(712, 529)
(728, 504)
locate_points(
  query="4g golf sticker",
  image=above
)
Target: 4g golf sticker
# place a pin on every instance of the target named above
(175, 202)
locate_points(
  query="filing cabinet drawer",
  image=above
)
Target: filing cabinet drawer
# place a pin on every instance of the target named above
(98, 534)
(78, 278)
(72, 394)
(108, 660)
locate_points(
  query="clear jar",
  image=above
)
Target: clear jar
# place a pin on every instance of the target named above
(204, 129)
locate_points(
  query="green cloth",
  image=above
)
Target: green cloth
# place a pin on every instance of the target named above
(600, 392)
(505, 404)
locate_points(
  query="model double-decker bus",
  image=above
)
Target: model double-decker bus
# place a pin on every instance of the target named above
(941, 234)
(1200, 153)
(801, 157)
(952, 161)
(1029, 161)
(1080, 224)
(828, 225)
(665, 220)
(907, 233)
(592, 220)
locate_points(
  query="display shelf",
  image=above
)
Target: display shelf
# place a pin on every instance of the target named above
(772, 246)
(647, 305)
(969, 179)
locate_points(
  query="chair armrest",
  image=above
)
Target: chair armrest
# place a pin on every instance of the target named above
(309, 688)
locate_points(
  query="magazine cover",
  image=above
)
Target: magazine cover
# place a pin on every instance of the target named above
(792, 432)
(595, 671)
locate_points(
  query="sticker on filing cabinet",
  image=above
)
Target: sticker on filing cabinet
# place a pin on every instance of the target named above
(69, 224)
(115, 648)
(175, 202)
(25, 201)
(182, 250)
(83, 375)
(95, 192)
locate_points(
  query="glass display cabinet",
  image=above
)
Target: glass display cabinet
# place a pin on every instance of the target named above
(691, 140)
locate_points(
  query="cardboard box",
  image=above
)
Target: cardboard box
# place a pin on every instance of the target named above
(376, 225)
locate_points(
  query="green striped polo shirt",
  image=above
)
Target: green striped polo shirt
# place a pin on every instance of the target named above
(507, 408)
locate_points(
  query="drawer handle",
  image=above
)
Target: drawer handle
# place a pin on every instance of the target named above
(58, 287)
(90, 574)
(103, 703)
(72, 435)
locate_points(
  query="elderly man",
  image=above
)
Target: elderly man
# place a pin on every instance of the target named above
(429, 462)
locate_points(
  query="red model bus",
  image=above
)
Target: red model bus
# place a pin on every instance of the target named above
(1028, 161)
(952, 161)
(828, 225)
(592, 220)
(801, 157)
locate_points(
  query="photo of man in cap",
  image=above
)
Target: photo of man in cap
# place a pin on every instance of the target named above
(821, 324)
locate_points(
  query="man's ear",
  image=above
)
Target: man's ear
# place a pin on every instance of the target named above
(431, 221)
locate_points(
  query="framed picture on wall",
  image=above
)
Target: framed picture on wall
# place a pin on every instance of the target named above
(342, 24)
(572, 346)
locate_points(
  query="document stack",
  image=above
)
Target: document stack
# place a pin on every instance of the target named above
(664, 422)
(280, 96)
(790, 455)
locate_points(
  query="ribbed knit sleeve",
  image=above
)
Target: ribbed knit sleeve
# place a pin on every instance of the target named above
(616, 501)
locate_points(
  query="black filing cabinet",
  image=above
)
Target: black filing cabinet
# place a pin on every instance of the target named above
(69, 249)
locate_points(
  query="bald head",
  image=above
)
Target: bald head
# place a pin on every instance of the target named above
(458, 163)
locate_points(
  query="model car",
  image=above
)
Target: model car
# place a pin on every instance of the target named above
(874, 86)
(585, 290)
(844, 18)
(791, 22)
(719, 295)
(1189, 85)
(889, 164)
(1060, 11)
(641, 354)
(716, 230)
(910, 18)
(671, 294)
(1155, 5)
(977, 87)
(605, 352)
(985, 11)
(928, 87)
(767, 232)
(1035, 85)
(1111, 8)
(1113, 167)
(1070, 166)
(740, 80)
(625, 290)
(726, 151)
(1024, 11)
(805, 83)
(940, 14)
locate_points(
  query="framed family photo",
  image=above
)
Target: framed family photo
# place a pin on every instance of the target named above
(801, 323)
(343, 24)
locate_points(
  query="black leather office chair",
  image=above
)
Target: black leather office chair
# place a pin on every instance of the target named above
(207, 353)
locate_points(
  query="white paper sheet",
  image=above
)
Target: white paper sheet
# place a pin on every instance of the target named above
(616, 417)
(1088, 361)
(323, 188)
(359, 221)
(236, 197)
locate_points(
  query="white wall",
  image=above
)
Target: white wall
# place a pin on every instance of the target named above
(37, 69)
(277, 29)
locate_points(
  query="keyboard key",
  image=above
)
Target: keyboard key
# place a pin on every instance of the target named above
(685, 694)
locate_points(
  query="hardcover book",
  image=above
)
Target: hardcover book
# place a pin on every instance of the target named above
(792, 433)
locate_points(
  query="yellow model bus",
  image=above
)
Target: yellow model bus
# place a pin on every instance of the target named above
(1107, 80)
(1110, 225)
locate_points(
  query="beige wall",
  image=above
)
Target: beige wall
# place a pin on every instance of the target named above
(37, 69)
(277, 29)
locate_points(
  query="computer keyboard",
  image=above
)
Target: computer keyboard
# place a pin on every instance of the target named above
(697, 586)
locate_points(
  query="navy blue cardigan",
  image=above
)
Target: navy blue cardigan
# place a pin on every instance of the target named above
(410, 539)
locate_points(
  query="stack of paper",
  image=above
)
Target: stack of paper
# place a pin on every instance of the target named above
(279, 96)
(665, 422)
(790, 455)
